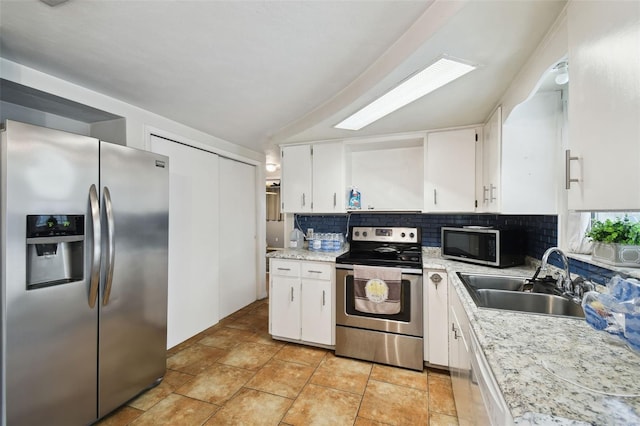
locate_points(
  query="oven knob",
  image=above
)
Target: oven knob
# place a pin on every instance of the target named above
(357, 233)
(411, 235)
(403, 235)
(364, 234)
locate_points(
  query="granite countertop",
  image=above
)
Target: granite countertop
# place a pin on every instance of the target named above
(548, 367)
(304, 254)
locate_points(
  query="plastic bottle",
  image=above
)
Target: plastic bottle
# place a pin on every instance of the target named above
(296, 239)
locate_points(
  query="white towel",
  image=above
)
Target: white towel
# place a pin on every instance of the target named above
(377, 290)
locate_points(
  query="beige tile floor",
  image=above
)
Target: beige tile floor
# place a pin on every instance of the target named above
(234, 374)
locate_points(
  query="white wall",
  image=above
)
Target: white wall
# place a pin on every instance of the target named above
(138, 119)
(549, 52)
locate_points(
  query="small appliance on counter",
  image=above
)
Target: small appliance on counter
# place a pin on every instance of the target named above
(484, 245)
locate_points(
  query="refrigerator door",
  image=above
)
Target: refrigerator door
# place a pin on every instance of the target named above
(133, 296)
(49, 327)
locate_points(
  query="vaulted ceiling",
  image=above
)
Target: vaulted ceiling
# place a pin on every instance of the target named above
(259, 73)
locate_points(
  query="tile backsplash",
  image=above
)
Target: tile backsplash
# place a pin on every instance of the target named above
(541, 230)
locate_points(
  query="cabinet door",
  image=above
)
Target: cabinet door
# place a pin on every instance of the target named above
(450, 170)
(296, 179)
(317, 319)
(489, 198)
(437, 306)
(531, 154)
(604, 107)
(284, 304)
(459, 360)
(329, 191)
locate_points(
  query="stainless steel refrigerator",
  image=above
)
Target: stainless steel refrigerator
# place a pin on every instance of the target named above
(84, 231)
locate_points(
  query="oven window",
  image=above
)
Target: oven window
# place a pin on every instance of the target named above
(405, 302)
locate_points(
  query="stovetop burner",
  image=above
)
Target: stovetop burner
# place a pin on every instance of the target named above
(384, 246)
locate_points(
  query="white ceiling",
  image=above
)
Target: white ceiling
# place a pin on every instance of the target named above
(258, 73)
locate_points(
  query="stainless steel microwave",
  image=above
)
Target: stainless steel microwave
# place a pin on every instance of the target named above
(485, 246)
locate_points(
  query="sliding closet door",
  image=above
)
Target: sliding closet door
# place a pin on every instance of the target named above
(238, 261)
(193, 239)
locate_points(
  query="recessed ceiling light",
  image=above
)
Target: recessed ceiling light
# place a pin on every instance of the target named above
(436, 75)
(563, 73)
(270, 167)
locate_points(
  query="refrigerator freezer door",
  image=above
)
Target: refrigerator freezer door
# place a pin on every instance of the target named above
(133, 295)
(49, 367)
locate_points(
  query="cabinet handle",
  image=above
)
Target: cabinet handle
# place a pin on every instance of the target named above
(292, 294)
(323, 299)
(485, 199)
(304, 200)
(455, 332)
(314, 272)
(284, 269)
(435, 197)
(436, 279)
(567, 169)
(491, 197)
(472, 374)
(334, 199)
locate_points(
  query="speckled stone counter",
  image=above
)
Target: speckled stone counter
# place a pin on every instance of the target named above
(304, 254)
(548, 367)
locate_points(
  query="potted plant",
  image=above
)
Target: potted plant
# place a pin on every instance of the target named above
(616, 242)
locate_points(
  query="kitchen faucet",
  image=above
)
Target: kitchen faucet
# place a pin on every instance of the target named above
(565, 284)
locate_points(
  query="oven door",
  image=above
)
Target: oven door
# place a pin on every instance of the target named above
(408, 321)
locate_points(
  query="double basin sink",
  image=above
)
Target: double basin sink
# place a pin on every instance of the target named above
(508, 293)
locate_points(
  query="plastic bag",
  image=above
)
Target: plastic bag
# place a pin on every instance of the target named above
(618, 312)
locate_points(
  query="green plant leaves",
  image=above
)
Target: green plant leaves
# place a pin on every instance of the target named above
(619, 231)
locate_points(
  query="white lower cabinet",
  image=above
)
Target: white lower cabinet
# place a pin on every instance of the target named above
(436, 337)
(301, 301)
(479, 401)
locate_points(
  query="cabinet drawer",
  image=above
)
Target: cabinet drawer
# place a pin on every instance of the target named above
(319, 271)
(285, 268)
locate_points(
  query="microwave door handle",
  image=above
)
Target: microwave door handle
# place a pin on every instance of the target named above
(94, 279)
(111, 255)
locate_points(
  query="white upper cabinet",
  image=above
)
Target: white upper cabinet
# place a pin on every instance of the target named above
(450, 171)
(329, 190)
(489, 194)
(313, 178)
(604, 105)
(531, 152)
(296, 179)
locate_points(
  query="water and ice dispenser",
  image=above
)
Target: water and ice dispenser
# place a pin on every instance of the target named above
(55, 249)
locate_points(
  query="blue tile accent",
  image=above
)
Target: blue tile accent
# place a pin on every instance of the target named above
(541, 231)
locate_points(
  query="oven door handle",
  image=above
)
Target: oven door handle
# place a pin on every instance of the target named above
(407, 271)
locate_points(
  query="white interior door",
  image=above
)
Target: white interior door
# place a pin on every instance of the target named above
(193, 239)
(237, 238)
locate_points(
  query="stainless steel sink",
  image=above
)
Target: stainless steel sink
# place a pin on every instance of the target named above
(506, 293)
(493, 282)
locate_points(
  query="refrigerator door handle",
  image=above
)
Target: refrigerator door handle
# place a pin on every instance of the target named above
(95, 251)
(108, 207)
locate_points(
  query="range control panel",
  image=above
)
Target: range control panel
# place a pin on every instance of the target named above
(385, 234)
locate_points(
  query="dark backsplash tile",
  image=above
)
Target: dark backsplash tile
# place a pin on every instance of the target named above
(541, 231)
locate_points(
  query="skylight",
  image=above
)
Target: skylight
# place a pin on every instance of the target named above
(436, 75)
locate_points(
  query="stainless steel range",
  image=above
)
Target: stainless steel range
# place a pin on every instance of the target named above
(379, 297)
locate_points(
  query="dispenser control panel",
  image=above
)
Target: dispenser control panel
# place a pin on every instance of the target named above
(54, 225)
